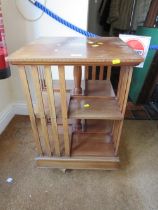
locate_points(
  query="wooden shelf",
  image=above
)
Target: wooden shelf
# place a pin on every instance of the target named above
(100, 88)
(93, 88)
(99, 145)
(99, 108)
(103, 90)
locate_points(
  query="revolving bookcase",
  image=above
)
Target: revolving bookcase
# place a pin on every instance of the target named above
(76, 123)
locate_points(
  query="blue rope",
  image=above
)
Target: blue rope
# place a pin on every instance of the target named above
(61, 20)
(70, 25)
(153, 47)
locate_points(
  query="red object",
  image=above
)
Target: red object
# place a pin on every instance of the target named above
(3, 63)
(136, 45)
(4, 66)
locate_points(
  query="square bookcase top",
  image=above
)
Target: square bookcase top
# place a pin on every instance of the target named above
(76, 51)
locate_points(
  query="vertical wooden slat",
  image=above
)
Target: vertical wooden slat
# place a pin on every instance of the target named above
(41, 77)
(117, 127)
(86, 72)
(77, 73)
(108, 76)
(26, 89)
(101, 73)
(120, 94)
(51, 104)
(117, 134)
(130, 71)
(125, 78)
(64, 109)
(114, 132)
(122, 90)
(36, 81)
(119, 83)
(93, 72)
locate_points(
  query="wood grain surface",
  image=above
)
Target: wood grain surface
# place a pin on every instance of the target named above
(98, 108)
(76, 50)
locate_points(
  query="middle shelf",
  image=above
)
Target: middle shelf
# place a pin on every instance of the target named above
(99, 102)
(94, 108)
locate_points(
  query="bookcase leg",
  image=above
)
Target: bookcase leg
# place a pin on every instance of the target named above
(77, 80)
(122, 96)
(38, 92)
(27, 93)
(64, 109)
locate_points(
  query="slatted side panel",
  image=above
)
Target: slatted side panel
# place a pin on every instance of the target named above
(129, 75)
(122, 95)
(26, 88)
(40, 104)
(48, 141)
(64, 109)
(101, 73)
(122, 87)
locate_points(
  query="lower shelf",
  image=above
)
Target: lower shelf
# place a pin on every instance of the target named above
(89, 150)
(85, 144)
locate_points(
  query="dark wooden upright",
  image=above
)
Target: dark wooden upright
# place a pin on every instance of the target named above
(76, 124)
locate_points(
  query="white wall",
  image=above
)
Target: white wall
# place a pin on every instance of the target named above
(5, 94)
(19, 31)
(6, 113)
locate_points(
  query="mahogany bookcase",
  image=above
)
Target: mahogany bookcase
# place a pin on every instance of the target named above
(76, 123)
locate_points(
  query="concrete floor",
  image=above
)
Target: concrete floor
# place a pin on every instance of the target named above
(133, 187)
